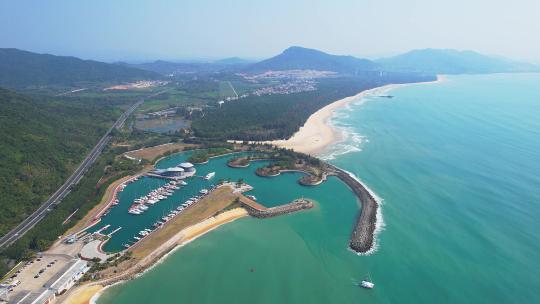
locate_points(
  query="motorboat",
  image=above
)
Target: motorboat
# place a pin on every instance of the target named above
(366, 283)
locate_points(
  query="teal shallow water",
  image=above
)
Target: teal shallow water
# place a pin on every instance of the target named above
(457, 164)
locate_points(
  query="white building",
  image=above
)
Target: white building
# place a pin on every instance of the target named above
(57, 285)
(66, 280)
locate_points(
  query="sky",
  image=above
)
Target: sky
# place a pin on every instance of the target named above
(136, 30)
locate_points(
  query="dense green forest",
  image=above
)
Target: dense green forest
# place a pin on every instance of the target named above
(21, 69)
(85, 195)
(43, 141)
(279, 116)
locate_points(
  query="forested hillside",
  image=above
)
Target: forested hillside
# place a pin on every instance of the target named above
(279, 116)
(43, 141)
(20, 69)
(299, 58)
(167, 67)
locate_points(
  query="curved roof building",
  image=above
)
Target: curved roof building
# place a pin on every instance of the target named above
(186, 165)
(175, 169)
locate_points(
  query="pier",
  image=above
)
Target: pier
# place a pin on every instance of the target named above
(114, 231)
(103, 229)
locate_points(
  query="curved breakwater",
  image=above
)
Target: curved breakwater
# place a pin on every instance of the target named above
(367, 222)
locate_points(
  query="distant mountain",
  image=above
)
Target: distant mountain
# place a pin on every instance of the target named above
(448, 61)
(299, 58)
(20, 69)
(167, 67)
(232, 60)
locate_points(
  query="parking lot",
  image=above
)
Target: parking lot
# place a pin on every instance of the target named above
(36, 273)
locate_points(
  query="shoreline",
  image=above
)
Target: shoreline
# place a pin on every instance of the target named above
(312, 138)
(92, 291)
(318, 133)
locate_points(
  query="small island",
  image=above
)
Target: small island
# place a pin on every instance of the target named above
(284, 160)
(202, 156)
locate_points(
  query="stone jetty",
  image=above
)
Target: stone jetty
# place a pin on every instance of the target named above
(362, 237)
(259, 211)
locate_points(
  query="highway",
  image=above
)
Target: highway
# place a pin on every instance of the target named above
(57, 196)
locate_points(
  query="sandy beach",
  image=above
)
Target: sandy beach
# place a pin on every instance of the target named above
(83, 294)
(89, 293)
(317, 133)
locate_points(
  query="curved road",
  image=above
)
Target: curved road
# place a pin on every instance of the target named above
(57, 196)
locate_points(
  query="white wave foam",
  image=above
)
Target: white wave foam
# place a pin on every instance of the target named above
(350, 142)
(379, 221)
(340, 150)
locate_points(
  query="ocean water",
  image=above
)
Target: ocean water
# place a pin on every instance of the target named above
(457, 164)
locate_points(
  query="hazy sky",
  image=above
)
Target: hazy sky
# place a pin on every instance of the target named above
(144, 30)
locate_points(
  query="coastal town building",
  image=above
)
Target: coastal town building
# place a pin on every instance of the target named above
(56, 285)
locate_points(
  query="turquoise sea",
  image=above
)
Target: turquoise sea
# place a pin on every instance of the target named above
(457, 165)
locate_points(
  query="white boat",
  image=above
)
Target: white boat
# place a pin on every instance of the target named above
(367, 284)
(209, 175)
(203, 191)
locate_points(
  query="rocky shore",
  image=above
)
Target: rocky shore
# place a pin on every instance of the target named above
(262, 212)
(362, 237)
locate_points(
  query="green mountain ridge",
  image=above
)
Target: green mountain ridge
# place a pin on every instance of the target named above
(43, 141)
(450, 61)
(300, 58)
(164, 67)
(21, 69)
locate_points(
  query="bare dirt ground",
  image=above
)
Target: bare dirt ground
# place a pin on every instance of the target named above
(152, 153)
